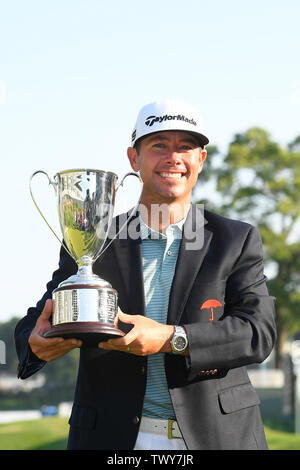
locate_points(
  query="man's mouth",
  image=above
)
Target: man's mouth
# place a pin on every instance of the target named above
(173, 175)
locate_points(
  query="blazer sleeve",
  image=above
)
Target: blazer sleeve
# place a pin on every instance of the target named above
(246, 332)
(29, 363)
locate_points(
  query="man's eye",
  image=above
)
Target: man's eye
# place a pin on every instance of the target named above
(159, 145)
(186, 147)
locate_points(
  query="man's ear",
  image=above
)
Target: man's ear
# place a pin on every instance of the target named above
(202, 157)
(133, 158)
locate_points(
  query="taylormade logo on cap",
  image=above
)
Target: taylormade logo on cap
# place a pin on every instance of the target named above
(152, 119)
(166, 116)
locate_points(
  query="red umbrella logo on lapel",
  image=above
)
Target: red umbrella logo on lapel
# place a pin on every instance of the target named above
(211, 304)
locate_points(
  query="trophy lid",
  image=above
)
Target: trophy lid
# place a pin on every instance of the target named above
(85, 170)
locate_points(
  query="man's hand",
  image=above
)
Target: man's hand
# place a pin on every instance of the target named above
(146, 337)
(49, 349)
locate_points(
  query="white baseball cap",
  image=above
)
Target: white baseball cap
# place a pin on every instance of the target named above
(168, 115)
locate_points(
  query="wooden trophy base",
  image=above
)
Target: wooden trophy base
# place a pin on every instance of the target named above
(90, 333)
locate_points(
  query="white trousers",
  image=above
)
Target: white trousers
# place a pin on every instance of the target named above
(151, 441)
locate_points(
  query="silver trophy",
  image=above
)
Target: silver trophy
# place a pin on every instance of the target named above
(85, 306)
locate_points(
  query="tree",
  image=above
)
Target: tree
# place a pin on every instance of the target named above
(258, 181)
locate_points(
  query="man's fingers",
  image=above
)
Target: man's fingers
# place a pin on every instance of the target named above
(125, 318)
(57, 343)
(48, 350)
(43, 322)
(40, 341)
(47, 311)
(65, 345)
(118, 343)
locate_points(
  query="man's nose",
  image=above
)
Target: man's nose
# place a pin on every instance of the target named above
(174, 157)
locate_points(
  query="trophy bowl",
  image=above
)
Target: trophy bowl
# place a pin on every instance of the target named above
(85, 306)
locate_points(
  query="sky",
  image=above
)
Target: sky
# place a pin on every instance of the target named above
(74, 74)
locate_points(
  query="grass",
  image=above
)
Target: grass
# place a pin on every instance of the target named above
(43, 434)
(282, 440)
(51, 434)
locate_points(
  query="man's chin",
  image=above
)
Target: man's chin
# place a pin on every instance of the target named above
(169, 197)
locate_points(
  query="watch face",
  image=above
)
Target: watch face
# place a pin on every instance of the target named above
(180, 343)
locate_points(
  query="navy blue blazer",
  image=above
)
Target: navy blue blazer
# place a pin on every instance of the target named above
(219, 294)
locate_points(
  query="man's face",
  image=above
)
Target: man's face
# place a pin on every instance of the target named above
(169, 163)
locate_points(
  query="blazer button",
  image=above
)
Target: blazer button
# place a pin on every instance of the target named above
(136, 420)
(143, 370)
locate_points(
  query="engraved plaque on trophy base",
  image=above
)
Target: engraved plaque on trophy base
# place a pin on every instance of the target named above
(86, 313)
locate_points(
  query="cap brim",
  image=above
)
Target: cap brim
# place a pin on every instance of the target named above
(203, 140)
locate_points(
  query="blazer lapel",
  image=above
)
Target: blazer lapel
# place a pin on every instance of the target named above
(128, 250)
(190, 257)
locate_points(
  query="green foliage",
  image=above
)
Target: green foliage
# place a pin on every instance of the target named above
(258, 181)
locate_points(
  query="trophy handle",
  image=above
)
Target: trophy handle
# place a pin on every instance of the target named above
(135, 207)
(53, 184)
(124, 177)
(132, 212)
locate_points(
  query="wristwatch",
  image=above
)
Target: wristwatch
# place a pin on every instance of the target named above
(179, 342)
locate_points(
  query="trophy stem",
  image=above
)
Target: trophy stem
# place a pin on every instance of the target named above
(85, 271)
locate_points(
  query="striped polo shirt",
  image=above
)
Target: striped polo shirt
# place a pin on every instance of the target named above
(159, 257)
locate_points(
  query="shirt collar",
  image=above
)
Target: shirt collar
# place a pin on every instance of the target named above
(172, 231)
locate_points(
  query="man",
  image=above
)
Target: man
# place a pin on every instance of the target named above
(193, 296)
